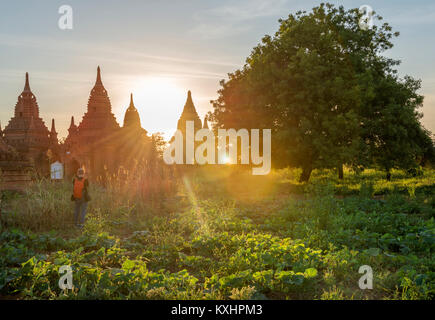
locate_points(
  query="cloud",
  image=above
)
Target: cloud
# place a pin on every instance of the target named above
(139, 62)
(70, 47)
(249, 10)
(232, 20)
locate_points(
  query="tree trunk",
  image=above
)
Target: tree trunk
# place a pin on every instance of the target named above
(340, 171)
(306, 173)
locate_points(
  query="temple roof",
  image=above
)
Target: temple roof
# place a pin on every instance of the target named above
(189, 107)
(53, 128)
(27, 85)
(72, 125)
(4, 147)
(26, 105)
(189, 114)
(99, 99)
(32, 124)
(131, 117)
(26, 117)
(99, 116)
(98, 81)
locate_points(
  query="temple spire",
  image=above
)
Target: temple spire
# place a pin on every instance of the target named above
(205, 125)
(27, 86)
(53, 134)
(26, 131)
(189, 114)
(189, 98)
(99, 109)
(72, 128)
(131, 117)
(53, 128)
(189, 107)
(131, 101)
(98, 77)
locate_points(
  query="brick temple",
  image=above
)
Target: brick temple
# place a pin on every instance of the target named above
(98, 143)
(27, 133)
(15, 168)
(93, 143)
(189, 114)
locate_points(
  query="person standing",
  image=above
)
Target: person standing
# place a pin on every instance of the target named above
(80, 197)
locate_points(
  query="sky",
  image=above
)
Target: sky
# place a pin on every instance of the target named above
(158, 50)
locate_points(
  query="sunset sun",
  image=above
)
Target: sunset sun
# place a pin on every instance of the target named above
(158, 101)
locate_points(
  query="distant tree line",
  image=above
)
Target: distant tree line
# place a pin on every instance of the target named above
(330, 97)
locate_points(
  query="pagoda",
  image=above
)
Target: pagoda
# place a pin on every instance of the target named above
(26, 131)
(135, 145)
(188, 114)
(131, 117)
(53, 133)
(205, 123)
(94, 141)
(72, 133)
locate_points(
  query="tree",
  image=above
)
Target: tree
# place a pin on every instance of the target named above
(393, 135)
(158, 144)
(319, 83)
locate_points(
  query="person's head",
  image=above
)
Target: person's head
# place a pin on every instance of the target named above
(80, 173)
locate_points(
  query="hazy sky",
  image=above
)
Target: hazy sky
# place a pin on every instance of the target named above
(160, 49)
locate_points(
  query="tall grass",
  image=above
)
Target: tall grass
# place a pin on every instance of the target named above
(126, 195)
(136, 196)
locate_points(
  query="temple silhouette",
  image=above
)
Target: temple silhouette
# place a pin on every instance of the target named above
(26, 132)
(97, 143)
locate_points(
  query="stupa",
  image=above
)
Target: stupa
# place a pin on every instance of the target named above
(135, 144)
(188, 114)
(26, 131)
(94, 141)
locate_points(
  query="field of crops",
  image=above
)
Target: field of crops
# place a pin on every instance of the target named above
(226, 236)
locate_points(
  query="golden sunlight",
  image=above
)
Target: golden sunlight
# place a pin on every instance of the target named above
(227, 160)
(159, 101)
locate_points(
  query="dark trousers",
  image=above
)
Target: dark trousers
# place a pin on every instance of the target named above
(80, 211)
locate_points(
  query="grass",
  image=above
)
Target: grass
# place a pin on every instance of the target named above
(226, 234)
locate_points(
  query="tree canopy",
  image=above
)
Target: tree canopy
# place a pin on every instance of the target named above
(330, 97)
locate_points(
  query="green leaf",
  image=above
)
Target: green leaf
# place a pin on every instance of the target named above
(128, 265)
(310, 272)
(373, 251)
